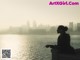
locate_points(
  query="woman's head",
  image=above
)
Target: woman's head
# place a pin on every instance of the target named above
(62, 29)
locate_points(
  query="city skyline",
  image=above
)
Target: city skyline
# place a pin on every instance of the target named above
(33, 24)
(40, 29)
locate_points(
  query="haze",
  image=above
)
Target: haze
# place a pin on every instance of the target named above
(18, 12)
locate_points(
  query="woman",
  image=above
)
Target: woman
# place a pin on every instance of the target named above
(63, 42)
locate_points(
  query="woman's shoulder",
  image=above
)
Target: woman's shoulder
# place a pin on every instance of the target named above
(67, 34)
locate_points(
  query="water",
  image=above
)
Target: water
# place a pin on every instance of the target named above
(31, 47)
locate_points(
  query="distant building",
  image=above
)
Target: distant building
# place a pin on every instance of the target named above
(34, 24)
(28, 25)
(71, 26)
(78, 26)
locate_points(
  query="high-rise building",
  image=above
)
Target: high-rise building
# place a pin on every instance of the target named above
(34, 24)
(71, 26)
(28, 25)
(78, 26)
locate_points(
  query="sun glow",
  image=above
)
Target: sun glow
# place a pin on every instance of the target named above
(11, 41)
(15, 43)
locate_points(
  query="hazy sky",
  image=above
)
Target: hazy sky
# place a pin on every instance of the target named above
(18, 12)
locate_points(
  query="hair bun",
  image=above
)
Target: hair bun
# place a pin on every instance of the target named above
(65, 28)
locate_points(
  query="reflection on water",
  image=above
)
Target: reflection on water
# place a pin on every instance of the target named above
(31, 47)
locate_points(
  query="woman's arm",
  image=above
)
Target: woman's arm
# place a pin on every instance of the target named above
(51, 46)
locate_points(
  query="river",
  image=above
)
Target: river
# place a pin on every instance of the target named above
(31, 47)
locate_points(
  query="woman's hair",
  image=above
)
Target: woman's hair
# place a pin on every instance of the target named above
(63, 28)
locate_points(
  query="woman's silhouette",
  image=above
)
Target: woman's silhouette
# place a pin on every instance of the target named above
(63, 42)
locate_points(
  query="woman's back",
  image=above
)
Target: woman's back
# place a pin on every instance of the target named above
(63, 40)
